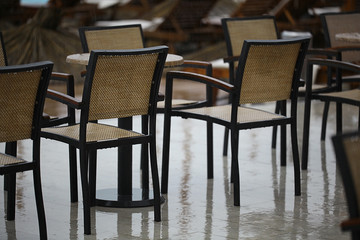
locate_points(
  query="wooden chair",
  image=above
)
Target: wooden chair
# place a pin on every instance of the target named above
(269, 70)
(337, 96)
(114, 88)
(46, 121)
(23, 91)
(347, 150)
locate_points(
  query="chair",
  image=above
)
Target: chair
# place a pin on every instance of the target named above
(114, 88)
(46, 121)
(257, 80)
(347, 150)
(337, 96)
(236, 30)
(23, 90)
(332, 24)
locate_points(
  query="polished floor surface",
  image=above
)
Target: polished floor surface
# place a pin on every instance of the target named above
(195, 207)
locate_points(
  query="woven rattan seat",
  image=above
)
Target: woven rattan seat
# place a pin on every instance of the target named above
(119, 84)
(94, 132)
(268, 71)
(22, 97)
(347, 150)
(8, 160)
(245, 115)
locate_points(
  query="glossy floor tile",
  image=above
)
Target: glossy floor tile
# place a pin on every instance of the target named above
(195, 207)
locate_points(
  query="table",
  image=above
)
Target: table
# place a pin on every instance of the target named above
(125, 195)
(348, 37)
(172, 60)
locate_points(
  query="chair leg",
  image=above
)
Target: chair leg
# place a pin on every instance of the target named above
(144, 159)
(306, 130)
(11, 190)
(274, 133)
(40, 204)
(359, 120)
(73, 174)
(92, 176)
(155, 179)
(166, 153)
(283, 136)
(338, 118)
(235, 165)
(226, 141)
(295, 151)
(85, 189)
(324, 120)
(10, 148)
(210, 147)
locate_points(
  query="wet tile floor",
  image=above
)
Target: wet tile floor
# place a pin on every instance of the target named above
(195, 207)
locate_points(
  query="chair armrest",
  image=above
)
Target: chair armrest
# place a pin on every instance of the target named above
(231, 59)
(330, 53)
(65, 77)
(63, 98)
(335, 63)
(213, 82)
(350, 224)
(346, 48)
(206, 66)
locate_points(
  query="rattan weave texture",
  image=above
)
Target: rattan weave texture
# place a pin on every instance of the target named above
(343, 23)
(16, 119)
(268, 73)
(260, 29)
(120, 38)
(8, 160)
(117, 95)
(244, 114)
(95, 132)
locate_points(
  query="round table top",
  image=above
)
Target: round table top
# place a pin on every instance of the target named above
(349, 37)
(172, 60)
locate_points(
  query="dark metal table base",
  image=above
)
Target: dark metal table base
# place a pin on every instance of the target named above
(139, 198)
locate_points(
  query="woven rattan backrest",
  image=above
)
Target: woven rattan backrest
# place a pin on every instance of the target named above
(268, 72)
(19, 95)
(3, 61)
(341, 23)
(352, 151)
(122, 85)
(239, 29)
(107, 38)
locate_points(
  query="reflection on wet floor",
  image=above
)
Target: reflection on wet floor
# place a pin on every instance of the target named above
(195, 207)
